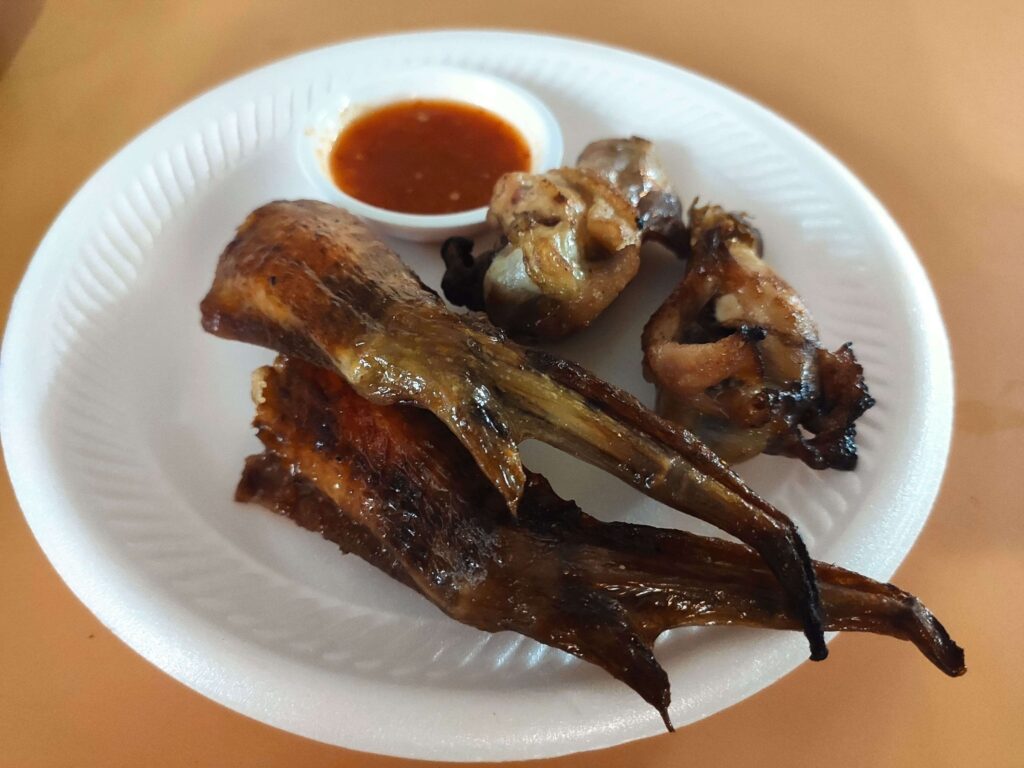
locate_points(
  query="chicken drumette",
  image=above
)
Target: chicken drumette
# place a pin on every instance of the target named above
(736, 357)
(569, 240)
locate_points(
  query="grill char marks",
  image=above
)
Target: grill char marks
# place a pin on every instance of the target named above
(392, 485)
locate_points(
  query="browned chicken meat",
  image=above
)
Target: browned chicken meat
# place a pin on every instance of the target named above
(635, 170)
(569, 245)
(392, 485)
(736, 357)
(569, 240)
(310, 280)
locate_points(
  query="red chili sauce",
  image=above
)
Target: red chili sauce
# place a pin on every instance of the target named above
(426, 156)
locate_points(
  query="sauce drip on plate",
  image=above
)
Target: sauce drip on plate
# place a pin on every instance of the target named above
(426, 156)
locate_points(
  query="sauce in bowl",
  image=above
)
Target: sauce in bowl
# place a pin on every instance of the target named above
(426, 156)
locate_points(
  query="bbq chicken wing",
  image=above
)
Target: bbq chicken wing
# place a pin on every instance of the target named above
(736, 358)
(392, 485)
(569, 240)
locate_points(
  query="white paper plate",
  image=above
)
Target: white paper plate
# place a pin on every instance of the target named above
(125, 426)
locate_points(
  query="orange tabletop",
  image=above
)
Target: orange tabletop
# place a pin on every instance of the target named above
(923, 100)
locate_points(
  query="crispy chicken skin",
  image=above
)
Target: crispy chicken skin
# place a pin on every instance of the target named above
(393, 485)
(310, 280)
(736, 356)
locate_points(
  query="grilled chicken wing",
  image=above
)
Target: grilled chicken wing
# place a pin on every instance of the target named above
(394, 486)
(569, 240)
(736, 357)
(308, 279)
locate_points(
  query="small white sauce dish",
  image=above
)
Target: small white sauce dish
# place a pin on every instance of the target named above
(513, 104)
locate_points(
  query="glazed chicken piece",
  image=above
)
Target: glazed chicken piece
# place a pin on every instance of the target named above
(392, 485)
(736, 357)
(310, 280)
(635, 170)
(569, 245)
(569, 240)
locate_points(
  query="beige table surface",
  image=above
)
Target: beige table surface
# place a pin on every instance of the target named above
(923, 100)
